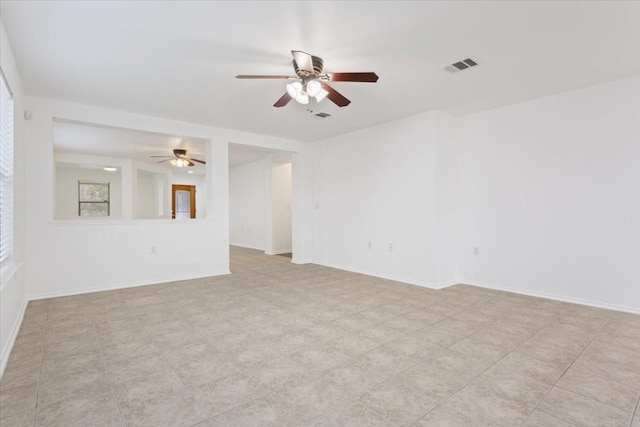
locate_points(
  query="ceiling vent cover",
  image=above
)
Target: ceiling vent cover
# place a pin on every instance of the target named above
(460, 65)
(322, 115)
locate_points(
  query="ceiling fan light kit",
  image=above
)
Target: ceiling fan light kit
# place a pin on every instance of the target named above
(180, 159)
(310, 82)
(294, 89)
(311, 88)
(314, 88)
(181, 163)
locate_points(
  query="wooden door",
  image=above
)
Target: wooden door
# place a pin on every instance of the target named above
(183, 201)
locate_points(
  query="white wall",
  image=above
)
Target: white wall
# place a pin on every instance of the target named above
(448, 188)
(378, 186)
(152, 194)
(77, 256)
(248, 205)
(13, 294)
(548, 191)
(67, 177)
(551, 196)
(302, 217)
(281, 208)
(151, 190)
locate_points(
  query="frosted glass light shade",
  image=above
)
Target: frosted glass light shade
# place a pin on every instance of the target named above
(180, 163)
(303, 98)
(294, 89)
(314, 88)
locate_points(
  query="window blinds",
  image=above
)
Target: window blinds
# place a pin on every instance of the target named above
(6, 172)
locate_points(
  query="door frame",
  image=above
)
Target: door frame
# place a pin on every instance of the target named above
(192, 199)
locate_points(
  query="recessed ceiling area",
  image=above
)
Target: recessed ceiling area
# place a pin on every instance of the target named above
(94, 140)
(178, 59)
(103, 141)
(242, 154)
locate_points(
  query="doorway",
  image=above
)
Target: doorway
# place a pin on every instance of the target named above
(183, 201)
(260, 199)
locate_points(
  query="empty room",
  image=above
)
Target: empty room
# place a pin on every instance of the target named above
(319, 213)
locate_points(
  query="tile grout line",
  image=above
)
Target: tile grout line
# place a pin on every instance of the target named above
(488, 326)
(268, 396)
(634, 414)
(44, 341)
(565, 371)
(352, 399)
(594, 399)
(200, 405)
(477, 376)
(348, 399)
(107, 373)
(423, 359)
(554, 417)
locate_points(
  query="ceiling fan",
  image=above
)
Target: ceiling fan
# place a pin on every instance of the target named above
(310, 81)
(180, 159)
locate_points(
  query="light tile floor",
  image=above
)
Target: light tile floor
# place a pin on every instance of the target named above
(281, 344)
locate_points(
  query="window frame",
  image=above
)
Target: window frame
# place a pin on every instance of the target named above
(7, 184)
(99, 202)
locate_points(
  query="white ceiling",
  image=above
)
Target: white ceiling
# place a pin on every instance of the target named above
(178, 59)
(81, 138)
(242, 154)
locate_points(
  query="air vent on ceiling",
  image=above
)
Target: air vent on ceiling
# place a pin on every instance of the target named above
(460, 65)
(322, 115)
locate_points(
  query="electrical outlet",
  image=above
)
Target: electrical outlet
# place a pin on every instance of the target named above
(476, 250)
(370, 245)
(390, 247)
(154, 250)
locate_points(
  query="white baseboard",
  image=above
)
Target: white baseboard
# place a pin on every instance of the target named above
(447, 284)
(120, 286)
(300, 261)
(246, 246)
(12, 338)
(277, 252)
(381, 275)
(283, 251)
(562, 298)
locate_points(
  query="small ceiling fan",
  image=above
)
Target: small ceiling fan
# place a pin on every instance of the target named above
(180, 159)
(309, 81)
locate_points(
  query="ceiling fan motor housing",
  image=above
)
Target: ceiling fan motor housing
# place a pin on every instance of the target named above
(318, 63)
(179, 152)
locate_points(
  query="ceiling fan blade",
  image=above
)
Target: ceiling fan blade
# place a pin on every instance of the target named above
(335, 96)
(165, 160)
(263, 76)
(303, 60)
(191, 159)
(161, 156)
(353, 77)
(284, 100)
